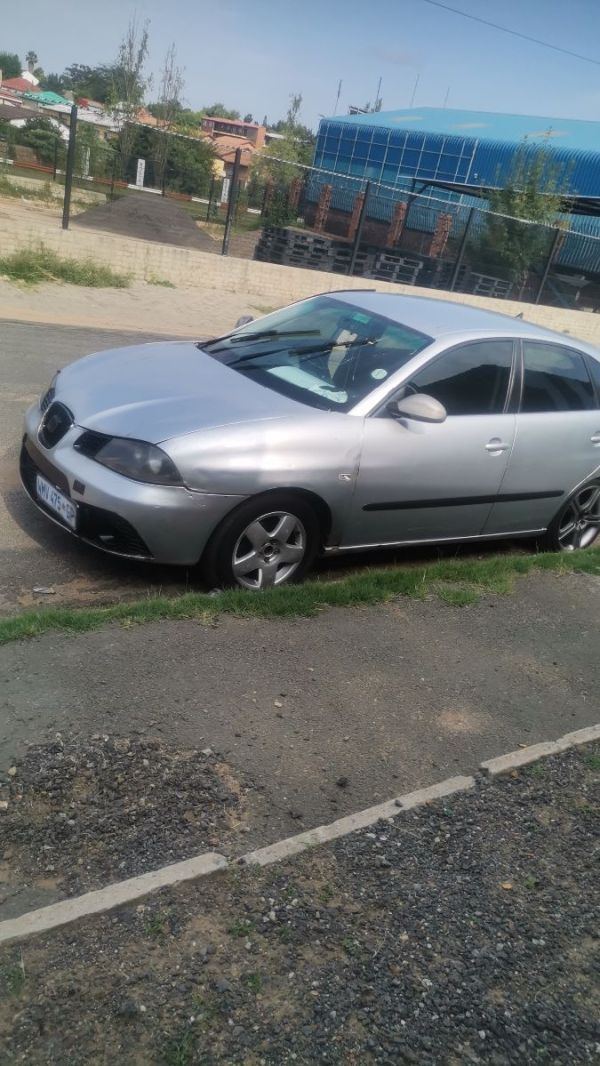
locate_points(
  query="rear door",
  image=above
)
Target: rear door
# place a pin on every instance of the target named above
(420, 481)
(557, 444)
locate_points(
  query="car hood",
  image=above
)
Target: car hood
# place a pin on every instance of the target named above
(154, 392)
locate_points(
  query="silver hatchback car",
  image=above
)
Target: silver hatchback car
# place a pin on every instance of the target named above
(348, 421)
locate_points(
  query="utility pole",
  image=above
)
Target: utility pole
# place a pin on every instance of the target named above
(70, 167)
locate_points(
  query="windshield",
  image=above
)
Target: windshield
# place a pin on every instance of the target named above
(323, 352)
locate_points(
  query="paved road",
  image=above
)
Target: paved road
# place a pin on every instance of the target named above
(32, 550)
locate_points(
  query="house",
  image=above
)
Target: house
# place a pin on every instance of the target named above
(18, 86)
(215, 127)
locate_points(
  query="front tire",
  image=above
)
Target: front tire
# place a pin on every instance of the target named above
(577, 524)
(266, 542)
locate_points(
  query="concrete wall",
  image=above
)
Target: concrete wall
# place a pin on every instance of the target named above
(274, 285)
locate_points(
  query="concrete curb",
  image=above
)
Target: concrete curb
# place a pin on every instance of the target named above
(504, 763)
(104, 899)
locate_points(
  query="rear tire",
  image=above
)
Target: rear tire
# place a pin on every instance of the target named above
(266, 542)
(577, 524)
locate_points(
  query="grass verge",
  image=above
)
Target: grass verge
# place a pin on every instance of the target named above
(458, 582)
(36, 265)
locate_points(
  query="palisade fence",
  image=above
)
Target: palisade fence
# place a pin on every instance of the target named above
(313, 218)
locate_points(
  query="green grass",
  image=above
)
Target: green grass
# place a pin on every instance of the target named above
(13, 978)
(456, 581)
(36, 265)
(593, 762)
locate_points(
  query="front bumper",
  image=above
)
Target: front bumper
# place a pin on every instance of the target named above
(164, 524)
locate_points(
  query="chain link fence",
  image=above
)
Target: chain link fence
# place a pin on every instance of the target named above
(303, 216)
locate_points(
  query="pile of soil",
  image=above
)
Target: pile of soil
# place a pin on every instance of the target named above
(149, 218)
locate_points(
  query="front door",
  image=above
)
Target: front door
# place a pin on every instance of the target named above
(420, 481)
(557, 443)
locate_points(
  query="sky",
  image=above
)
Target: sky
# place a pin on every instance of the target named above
(252, 54)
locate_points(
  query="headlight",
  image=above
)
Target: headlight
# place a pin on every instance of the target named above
(135, 459)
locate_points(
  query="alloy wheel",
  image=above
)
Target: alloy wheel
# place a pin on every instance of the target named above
(269, 550)
(579, 523)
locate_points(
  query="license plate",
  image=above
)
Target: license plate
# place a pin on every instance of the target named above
(56, 501)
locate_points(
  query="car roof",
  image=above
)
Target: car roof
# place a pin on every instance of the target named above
(438, 318)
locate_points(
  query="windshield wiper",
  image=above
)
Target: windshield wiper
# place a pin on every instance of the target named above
(304, 353)
(259, 335)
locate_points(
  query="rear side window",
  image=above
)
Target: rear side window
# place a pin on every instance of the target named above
(556, 379)
(470, 380)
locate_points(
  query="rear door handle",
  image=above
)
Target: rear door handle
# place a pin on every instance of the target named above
(596, 438)
(495, 445)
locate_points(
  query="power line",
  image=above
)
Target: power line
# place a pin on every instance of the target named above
(514, 33)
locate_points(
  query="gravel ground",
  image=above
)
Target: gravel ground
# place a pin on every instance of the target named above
(464, 932)
(82, 814)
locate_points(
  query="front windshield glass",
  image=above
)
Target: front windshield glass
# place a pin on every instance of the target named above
(323, 352)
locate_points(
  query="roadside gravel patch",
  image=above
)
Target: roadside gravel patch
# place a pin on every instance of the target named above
(462, 932)
(81, 814)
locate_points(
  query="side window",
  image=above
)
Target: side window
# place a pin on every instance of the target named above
(556, 379)
(470, 380)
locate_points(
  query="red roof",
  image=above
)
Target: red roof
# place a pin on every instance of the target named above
(20, 85)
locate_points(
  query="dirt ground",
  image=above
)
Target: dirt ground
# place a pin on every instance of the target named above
(462, 933)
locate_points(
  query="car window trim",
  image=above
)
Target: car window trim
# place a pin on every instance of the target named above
(382, 412)
(538, 341)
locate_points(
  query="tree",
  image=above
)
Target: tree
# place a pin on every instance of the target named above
(129, 82)
(10, 65)
(31, 60)
(282, 162)
(52, 83)
(220, 111)
(92, 83)
(249, 117)
(189, 162)
(170, 89)
(43, 136)
(533, 191)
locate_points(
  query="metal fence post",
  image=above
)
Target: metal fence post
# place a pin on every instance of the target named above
(70, 167)
(232, 199)
(359, 229)
(461, 250)
(555, 243)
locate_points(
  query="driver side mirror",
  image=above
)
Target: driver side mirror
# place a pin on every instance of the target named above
(418, 407)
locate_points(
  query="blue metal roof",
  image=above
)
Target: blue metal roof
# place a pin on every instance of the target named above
(572, 133)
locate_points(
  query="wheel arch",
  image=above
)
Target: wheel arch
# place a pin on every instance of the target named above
(319, 505)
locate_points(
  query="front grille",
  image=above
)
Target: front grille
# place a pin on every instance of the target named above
(102, 528)
(55, 423)
(33, 462)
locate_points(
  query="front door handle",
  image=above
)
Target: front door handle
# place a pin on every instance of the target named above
(495, 446)
(596, 438)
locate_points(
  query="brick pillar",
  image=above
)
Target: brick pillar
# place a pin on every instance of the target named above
(359, 200)
(440, 236)
(396, 226)
(294, 193)
(323, 207)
